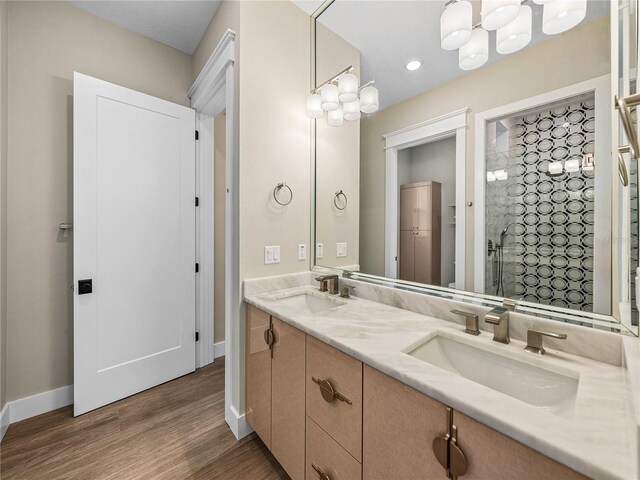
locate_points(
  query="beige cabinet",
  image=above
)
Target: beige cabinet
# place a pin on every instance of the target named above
(399, 425)
(287, 398)
(258, 373)
(326, 456)
(420, 232)
(274, 387)
(491, 454)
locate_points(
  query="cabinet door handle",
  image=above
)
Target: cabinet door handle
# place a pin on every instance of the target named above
(269, 338)
(328, 392)
(321, 473)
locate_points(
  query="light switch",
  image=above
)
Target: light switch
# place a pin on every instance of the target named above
(320, 250)
(302, 251)
(341, 249)
(271, 255)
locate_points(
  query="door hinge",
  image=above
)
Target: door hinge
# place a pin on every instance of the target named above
(197, 135)
(197, 201)
(197, 336)
(197, 267)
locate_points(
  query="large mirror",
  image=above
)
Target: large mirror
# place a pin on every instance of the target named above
(472, 153)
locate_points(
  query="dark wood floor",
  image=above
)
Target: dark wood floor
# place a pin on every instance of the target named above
(174, 431)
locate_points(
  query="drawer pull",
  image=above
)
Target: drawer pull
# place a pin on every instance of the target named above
(321, 473)
(269, 338)
(328, 392)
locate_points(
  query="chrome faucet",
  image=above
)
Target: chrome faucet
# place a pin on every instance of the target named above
(534, 340)
(499, 317)
(330, 281)
(471, 320)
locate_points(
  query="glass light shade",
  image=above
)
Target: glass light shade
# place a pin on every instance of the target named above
(499, 13)
(561, 15)
(491, 177)
(329, 97)
(555, 168)
(369, 102)
(516, 35)
(347, 87)
(335, 117)
(351, 110)
(501, 175)
(456, 24)
(314, 106)
(475, 52)
(572, 165)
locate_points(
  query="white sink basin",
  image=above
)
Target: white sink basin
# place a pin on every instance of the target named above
(310, 303)
(529, 383)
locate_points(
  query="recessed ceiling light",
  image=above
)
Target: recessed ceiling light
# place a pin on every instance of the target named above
(413, 65)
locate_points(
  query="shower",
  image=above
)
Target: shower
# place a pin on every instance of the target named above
(498, 260)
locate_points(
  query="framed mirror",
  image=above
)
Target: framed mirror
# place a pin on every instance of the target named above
(479, 160)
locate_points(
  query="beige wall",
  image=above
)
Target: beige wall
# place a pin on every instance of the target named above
(227, 17)
(580, 54)
(47, 42)
(219, 202)
(4, 10)
(337, 160)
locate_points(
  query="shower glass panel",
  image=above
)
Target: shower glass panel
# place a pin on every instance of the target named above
(539, 207)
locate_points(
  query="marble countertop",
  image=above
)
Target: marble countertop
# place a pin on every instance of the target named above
(598, 438)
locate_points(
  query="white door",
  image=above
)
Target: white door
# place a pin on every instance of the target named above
(134, 238)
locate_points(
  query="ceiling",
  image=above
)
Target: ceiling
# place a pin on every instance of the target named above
(177, 23)
(390, 33)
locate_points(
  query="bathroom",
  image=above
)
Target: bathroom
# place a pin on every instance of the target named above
(371, 240)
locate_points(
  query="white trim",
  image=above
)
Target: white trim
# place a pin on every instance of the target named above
(238, 423)
(205, 190)
(601, 86)
(40, 403)
(212, 92)
(444, 126)
(5, 419)
(218, 349)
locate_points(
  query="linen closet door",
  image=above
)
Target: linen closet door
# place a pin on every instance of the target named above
(134, 242)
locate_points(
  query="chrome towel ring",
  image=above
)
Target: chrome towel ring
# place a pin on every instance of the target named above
(339, 194)
(276, 190)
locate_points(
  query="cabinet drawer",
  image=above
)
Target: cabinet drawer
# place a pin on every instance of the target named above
(341, 419)
(325, 454)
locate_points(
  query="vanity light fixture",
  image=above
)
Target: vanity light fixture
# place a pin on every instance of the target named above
(554, 168)
(491, 177)
(342, 99)
(413, 65)
(517, 34)
(572, 165)
(456, 24)
(561, 15)
(512, 22)
(501, 174)
(499, 13)
(475, 52)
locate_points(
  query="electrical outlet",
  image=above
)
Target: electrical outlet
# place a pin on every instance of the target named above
(271, 255)
(319, 250)
(302, 251)
(341, 249)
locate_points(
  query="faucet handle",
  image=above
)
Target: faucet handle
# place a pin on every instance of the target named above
(534, 340)
(323, 283)
(345, 290)
(472, 321)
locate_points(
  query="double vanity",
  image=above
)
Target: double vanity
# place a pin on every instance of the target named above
(350, 388)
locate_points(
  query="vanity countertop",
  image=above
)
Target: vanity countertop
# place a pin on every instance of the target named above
(598, 439)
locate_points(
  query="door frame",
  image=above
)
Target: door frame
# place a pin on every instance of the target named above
(214, 91)
(453, 124)
(602, 268)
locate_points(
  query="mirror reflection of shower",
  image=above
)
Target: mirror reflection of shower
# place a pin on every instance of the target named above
(496, 249)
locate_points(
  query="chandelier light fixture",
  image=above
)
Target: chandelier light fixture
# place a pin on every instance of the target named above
(511, 20)
(343, 99)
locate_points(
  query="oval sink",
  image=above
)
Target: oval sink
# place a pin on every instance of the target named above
(309, 303)
(534, 385)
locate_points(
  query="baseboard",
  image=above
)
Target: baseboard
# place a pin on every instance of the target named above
(5, 420)
(218, 350)
(41, 403)
(238, 423)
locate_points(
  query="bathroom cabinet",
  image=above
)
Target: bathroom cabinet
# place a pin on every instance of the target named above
(322, 412)
(420, 232)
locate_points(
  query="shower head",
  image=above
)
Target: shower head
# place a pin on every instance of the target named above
(504, 232)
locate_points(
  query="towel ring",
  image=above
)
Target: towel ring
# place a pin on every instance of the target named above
(338, 194)
(279, 187)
